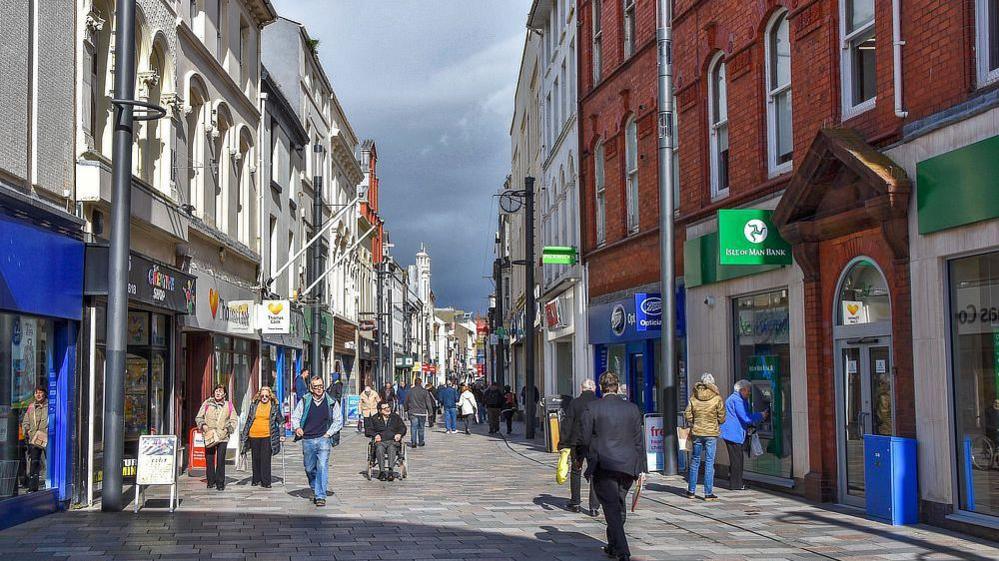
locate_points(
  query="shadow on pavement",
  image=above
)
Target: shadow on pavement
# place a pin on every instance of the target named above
(276, 535)
(934, 549)
(660, 488)
(551, 502)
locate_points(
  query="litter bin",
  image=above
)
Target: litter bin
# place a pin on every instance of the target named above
(890, 478)
(553, 419)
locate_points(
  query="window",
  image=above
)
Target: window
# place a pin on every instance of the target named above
(244, 52)
(219, 27)
(601, 207)
(291, 269)
(272, 245)
(988, 41)
(629, 28)
(718, 110)
(597, 40)
(857, 64)
(780, 141)
(631, 173)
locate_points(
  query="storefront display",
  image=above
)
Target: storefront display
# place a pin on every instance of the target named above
(974, 293)
(624, 334)
(762, 356)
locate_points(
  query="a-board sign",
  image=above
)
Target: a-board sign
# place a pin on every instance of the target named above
(157, 463)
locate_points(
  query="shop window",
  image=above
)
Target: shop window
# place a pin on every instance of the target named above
(779, 138)
(27, 350)
(763, 356)
(631, 174)
(974, 299)
(863, 296)
(601, 194)
(718, 127)
(857, 63)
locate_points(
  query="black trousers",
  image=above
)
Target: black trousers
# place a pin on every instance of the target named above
(215, 465)
(611, 490)
(736, 459)
(468, 419)
(387, 449)
(576, 480)
(260, 457)
(508, 417)
(493, 414)
(34, 467)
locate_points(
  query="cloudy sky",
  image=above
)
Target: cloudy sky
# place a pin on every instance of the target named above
(432, 82)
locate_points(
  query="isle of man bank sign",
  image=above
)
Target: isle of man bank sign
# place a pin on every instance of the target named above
(748, 237)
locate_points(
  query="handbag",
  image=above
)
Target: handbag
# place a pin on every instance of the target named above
(683, 440)
(211, 438)
(562, 468)
(755, 446)
(40, 440)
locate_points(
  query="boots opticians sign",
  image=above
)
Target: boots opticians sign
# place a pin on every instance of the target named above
(748, 237)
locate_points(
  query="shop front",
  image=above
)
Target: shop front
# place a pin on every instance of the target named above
(625, 334)
(366, 357)
(158, 295)
(282, 349)
(41, 300)
(560, 353)
(344, 350)
(221, 346)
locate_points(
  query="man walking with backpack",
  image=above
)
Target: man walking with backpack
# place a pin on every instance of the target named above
(419, 404)
(493, 399)
(317, 421)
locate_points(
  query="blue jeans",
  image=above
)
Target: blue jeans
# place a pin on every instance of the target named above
(316, 452)
(451, 418)
(418, 436)
(480, 414)
(703, 446)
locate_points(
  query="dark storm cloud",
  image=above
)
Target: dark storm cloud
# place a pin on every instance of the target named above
(432, 82)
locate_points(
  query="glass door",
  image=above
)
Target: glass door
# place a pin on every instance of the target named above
(637, 379)
(866, 407)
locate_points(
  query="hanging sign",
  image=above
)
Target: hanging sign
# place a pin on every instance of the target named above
(274, 316)
(748, 237)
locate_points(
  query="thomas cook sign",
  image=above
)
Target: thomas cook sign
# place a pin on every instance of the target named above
(748, 237)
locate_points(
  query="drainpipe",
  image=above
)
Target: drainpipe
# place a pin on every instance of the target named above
(896, 45)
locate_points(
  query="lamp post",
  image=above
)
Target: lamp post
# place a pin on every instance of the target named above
(316, 351)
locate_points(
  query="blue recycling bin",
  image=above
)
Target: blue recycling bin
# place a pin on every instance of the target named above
(891, 479)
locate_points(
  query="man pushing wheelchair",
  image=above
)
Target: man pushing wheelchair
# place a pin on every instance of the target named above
(386, 430)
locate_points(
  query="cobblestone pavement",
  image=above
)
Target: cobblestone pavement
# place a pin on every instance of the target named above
(467, 498)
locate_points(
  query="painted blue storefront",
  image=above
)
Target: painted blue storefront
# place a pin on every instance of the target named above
(41, 299)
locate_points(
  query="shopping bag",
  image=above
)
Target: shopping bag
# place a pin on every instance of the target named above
(755, 447)
(562, 469)
(683, 439)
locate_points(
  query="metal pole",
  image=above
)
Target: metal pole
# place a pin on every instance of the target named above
(530, 408)
(664, 36)
(500, 311)
(316, 351)
(497, 319)
(390, 314)
(117, 312)
(380, 372)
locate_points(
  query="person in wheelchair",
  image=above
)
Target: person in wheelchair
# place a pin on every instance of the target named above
(386, 430)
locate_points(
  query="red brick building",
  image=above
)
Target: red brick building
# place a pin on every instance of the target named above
(824, 112)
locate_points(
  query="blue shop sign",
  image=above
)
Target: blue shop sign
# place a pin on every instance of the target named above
(41, 272)
(632, 319)
(648, 312)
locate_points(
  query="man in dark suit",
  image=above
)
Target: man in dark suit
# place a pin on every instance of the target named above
(570, 438)
(612, 432)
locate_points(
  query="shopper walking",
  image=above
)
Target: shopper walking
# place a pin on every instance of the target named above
(387, 394)
(509, 408)
(448, 399)
(302, 385)
(368, 405)
(217, 420)
(317, 420)
(738, 420)
(493, 399)
(570, 438)
(418, 406)
(467, 406)
(480, 403)
(704, 414)
(35, 428)
(611, 430)
(261, 435)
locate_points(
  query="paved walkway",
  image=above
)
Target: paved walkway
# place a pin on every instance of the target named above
(468, 498)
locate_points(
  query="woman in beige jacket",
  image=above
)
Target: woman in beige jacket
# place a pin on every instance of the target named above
(705, 413)
(217, 421)
(368, 406)
(35, 428)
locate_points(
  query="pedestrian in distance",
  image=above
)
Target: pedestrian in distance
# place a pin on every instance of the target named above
(570, 437)
(386, 430)
(418, 406)
(467, 406)
(317, 421)
(611, 431)
(217, 420)
(738, 420)
(262, 435)
(302, 385)
(509, 408)
(402, 393)
(448, 399)
(704, 414)
(493, 399)
(432, 417)
(368, 405)
(480, 403)
(388, 395)
(336, 386)
(35, 428)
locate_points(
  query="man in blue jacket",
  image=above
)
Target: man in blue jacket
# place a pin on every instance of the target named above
(317, 420)
(733, 431)
(448, 397)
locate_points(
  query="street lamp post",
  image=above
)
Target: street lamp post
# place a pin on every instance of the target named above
(316, 352)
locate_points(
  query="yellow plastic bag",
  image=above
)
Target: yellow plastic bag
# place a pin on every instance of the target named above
(562, 470)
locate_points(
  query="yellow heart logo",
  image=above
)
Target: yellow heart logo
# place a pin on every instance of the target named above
(853, 309)
(275, 307)
(213, 301)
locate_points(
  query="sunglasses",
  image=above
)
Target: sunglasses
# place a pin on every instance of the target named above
(317, 386)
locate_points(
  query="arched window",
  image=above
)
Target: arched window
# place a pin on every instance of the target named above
(718, 126)
(246, 202)
(197, 159)
(631, 174)
(221, 165)
(600, 209)
(152, 146)
(780, 140)
(863, 295)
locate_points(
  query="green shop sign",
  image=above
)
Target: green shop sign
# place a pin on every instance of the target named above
(558, 255)
(748, 237)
